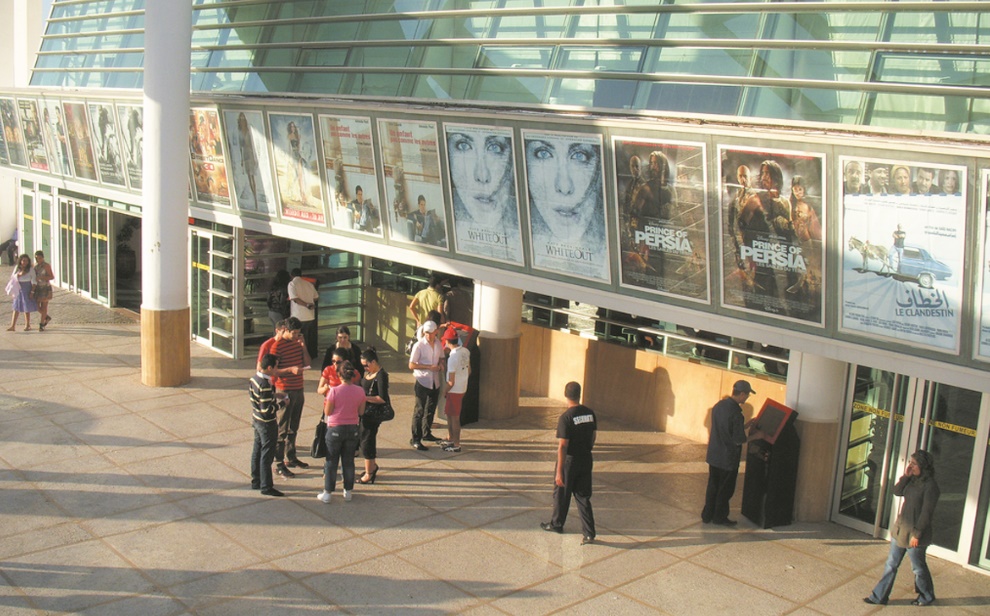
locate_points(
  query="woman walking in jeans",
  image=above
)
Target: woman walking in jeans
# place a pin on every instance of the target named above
(912, 532)
(343, 409)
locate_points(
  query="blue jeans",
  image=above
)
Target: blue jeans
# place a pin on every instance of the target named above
(263, 454)
(922, 576)
(342, 442)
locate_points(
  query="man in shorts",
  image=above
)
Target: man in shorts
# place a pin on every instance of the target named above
(458, 371)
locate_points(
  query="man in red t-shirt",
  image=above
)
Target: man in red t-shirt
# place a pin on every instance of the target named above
(293, 358)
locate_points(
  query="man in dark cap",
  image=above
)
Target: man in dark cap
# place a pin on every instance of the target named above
(728, 435)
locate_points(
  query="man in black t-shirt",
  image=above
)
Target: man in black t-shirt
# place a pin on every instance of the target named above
(576, 431)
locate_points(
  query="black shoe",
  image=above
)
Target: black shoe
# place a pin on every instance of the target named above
(725, 522)
(704, 521)
(297, 464)
(255, 486)
(420, 446)
(283, 471)
(431, 439)
(921, 601)
(586, 540)
(547, 526)
(872, 602)
(272, 492)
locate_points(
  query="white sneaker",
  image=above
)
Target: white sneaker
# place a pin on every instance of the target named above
(347, 495)
(324, 496)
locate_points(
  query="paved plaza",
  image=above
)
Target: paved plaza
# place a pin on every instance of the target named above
(116, 498)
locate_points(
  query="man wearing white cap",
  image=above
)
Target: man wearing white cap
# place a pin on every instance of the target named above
(728, 435)
(424, 361)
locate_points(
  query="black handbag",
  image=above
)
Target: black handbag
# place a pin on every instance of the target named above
(319, 448)
(379, 412)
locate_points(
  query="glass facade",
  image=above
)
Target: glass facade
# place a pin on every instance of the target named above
(914, 65)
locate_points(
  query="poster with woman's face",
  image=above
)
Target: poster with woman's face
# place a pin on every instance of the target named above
(297, 172)
(34, 142)
(80, 142)
(55, 137)
(12, 133)
(106, 144)
(250, 169)
(773, 232)
(209, 165)
(662, 225)
(567, 203)
(411, 168)
(903, 248)
(983, 297)
(131, 124)
(482, 165)
(352, 177)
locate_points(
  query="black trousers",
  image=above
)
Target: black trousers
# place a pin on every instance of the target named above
(721, 487)
(577, 481)
(288, 427)
(423, 411)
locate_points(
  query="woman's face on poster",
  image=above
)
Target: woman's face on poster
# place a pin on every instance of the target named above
(902, 180)
(564, 179)
(950, 182)
(481, 168)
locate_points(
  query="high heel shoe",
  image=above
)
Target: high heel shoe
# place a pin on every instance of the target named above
(371, 477)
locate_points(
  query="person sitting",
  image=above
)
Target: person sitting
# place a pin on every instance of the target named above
(10, 246)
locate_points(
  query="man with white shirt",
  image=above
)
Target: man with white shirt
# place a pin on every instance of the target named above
(458, 371)
(302, 305)
(425, 362)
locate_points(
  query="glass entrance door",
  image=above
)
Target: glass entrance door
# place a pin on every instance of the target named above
(946, 427)
(211, 288)
(889, 418)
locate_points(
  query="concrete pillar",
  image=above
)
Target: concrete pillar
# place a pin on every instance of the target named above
(498, 316)
(165, 332)
(816, 390)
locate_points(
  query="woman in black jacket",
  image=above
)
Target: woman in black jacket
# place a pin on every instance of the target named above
(912, 532)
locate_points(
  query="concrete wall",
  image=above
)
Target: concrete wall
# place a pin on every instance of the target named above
(645, 390)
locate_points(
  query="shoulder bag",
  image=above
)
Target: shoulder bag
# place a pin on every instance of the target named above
(319, 448)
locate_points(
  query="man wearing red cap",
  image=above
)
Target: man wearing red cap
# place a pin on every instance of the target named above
(458, 371)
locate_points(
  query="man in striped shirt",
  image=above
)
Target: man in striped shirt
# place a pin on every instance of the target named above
(265, 404)
(292, 359)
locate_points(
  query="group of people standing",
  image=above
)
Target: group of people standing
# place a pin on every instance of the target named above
(31, 288)
(350, 382)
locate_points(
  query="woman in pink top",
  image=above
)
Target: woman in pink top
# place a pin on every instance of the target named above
(343, 409)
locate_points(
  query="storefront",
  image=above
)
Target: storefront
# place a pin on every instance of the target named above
(889, 417)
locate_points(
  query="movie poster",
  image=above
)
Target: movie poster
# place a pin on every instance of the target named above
(4, 157)
(983, 331)
(34, 143)
(411, 160)
(80, 142)
(482, 165)
(56, 138)
(297, 173)
(106, 144)
(662, 225)
(250, 169)
(773, 232)
(12, 133)
(209, 166)
(564, 173)
(131, 122)
(903, 241)
(352, 178)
